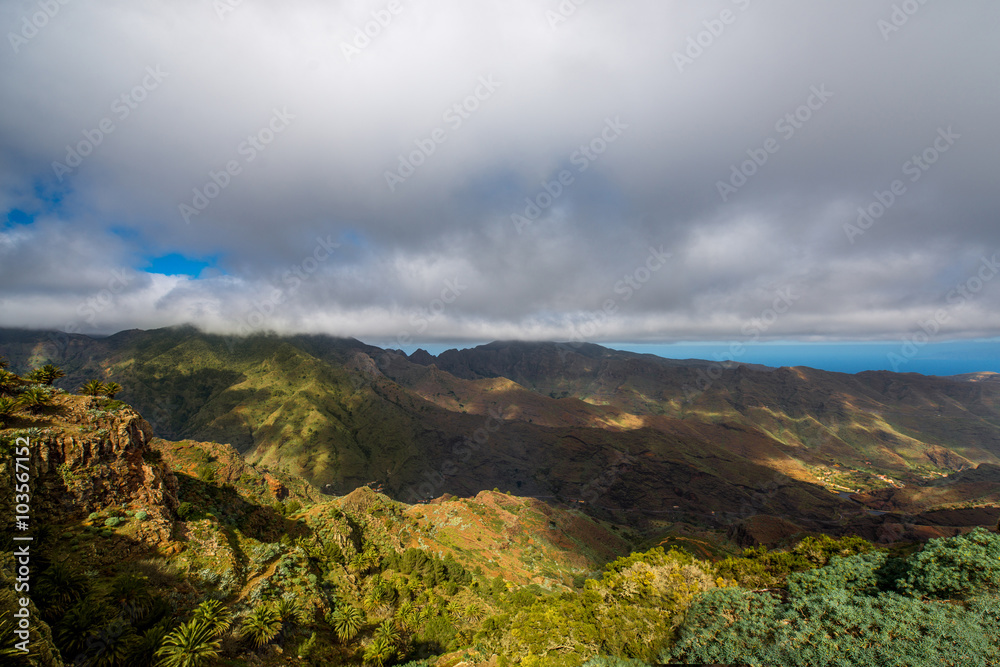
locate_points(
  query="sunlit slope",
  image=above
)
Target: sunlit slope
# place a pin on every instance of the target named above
(905, 424)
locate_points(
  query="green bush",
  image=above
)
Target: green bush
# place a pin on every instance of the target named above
(738, 626)
(866, 609)
(607, 661)
(114, 521)
(760, 568)
(857, 574)
(955, 567)
(186, 511)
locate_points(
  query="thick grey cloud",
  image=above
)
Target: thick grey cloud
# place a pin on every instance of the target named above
(639, 241)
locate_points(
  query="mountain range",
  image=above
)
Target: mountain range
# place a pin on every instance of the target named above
(275, 500)
(637, 440)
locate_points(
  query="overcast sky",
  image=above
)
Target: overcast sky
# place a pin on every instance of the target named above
(647, 171)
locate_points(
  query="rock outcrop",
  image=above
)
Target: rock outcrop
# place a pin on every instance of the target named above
(88, 459)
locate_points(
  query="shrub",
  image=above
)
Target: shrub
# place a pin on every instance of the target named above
(307, 646)
(152, 456)
(847, 613)
(857, 574)
(603, 661)
(186, 511)
(955, 567)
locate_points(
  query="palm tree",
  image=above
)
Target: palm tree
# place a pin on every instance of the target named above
(47, 374)
(262, 625)
(112, 644)
(7, 638)
(59, 587)
(193, 644)
(387, 631)
(112, 388)
(34, 399)
(379, 651)
(130, 593)
(74, 631)
(474, 612)
(92, 388)
(216, 615)
(346, 622)
(7, 408)
(8, 382)
(374, 598)
(144, 649)
(288, 612)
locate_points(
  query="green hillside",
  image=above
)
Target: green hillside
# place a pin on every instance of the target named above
(150, 551)
(640, 440)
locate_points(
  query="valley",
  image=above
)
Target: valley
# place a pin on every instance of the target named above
(516, 503)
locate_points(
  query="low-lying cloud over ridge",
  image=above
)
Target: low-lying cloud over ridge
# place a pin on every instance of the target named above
(478, 170)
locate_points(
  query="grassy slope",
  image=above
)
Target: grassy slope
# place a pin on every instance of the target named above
(319, 407)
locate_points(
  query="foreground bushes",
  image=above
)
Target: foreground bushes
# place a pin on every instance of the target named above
(938, 607)
(630, 612)
(828, 603)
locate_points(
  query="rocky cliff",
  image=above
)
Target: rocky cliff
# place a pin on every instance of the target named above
(88, 455)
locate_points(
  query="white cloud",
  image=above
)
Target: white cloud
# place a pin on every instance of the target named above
(656, 185)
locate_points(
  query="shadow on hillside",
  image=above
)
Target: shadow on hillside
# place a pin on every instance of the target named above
(40, 417)
(199, 499)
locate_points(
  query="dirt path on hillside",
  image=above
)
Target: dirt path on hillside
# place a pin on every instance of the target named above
(253, 580)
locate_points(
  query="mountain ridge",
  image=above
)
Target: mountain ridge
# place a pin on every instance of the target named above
(547, 419)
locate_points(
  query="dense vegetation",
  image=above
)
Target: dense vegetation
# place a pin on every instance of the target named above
(937, 607)
(271, 582)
